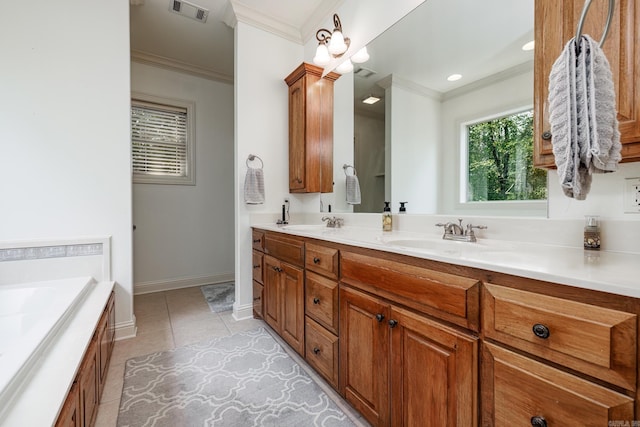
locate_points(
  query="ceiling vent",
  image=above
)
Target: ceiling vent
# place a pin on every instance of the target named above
(189, 10)
(364, 72)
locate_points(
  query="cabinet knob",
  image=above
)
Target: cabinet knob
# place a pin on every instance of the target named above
(546, 135)
(393, 323)
(298, 180)
(316, 350)
(379, 317)
(538, 422)
(256, 299)
(278, 269)
(541, 331)
(256, 240)
(316, 301)
(256, 266)
(316, 260)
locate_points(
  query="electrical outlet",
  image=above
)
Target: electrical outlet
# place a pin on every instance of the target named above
(632, 195)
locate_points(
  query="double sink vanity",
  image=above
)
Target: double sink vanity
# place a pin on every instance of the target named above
(412, 329)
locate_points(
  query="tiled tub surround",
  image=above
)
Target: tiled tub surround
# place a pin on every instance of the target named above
(52, 294)
(542, 249)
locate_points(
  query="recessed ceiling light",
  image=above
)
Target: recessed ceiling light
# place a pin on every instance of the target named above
(454, 77)
(370, 100)
(528, 46)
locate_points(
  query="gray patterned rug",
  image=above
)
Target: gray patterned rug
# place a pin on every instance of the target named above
(245, 379)
(220, 296)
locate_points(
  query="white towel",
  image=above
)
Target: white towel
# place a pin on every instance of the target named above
(353, 190)
(254, 186)
(582, 114)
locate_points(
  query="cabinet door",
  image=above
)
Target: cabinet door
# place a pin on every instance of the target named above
(364, 354)
(292, 303)
(297, 152)
(272, 310)
(70, 413)
(434, 373)
(258, 292)
(518, 390)
(103, 351)
(556, 22)
(89, 384)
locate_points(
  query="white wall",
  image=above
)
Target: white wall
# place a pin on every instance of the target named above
(261, 128)
(184, 233)
(64, 128)
(413, 124)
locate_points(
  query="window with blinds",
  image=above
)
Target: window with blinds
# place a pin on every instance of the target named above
(161, 141)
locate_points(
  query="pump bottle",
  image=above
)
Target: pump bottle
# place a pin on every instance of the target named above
(387, 219)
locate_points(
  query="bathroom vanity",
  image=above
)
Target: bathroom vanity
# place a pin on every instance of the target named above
(414, 336)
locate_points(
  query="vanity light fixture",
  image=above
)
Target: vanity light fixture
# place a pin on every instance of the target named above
(454, 77)
(528, 46)
(335, 44)
(371, 99)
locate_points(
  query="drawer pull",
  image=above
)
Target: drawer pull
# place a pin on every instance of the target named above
(278, 269)
(316, 350)
(257, 299)
(316, 301)
(316, 260)
(256, 266)
(538, 422)
(541, 331)
(393, 323)
(256, 240)
(379, 317)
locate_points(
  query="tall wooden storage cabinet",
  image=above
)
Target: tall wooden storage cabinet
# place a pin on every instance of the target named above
(310, 130)
(556, 23)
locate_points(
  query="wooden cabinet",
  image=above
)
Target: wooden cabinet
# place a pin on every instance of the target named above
(310, 129)
(556, 22)
(518, 391)
(70, 413)
(400, 368)
(284, 287)
(81, 405)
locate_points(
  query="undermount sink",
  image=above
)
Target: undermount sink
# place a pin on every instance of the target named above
(451, 246)
(305, 227)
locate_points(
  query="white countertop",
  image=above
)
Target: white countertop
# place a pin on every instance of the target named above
(613, 272)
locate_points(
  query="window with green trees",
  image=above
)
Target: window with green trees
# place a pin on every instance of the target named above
(500, 160)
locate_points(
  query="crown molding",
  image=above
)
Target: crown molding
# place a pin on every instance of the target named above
(323, 12)
(248, 15)
(487, 81)
(179, 66)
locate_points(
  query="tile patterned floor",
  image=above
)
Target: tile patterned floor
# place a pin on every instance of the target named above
(171, 319)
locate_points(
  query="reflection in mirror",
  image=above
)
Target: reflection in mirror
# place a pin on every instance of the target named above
(407, 145)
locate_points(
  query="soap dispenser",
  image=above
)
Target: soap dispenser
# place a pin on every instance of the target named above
(591, 233)
(387, 220)
(403, 208)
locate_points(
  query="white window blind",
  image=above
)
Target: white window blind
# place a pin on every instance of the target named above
(161, 149)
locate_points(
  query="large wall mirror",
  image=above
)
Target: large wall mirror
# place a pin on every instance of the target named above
(408, 146)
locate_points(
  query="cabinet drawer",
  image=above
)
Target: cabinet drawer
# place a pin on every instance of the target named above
(322, 260)
(597, 341)
(322, 351)
(516, 389)
(444, 295)
(285, 248)
(258, 240)
(321, 300)
(258, 266)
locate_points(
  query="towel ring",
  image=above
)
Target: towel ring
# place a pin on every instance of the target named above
(346, 166)
(253, 157)
(612, 6)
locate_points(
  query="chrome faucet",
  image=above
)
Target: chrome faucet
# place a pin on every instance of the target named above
(453, 231)
(333, 222)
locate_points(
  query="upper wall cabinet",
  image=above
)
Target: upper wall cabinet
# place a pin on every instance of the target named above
(310, 130)
(556, 22)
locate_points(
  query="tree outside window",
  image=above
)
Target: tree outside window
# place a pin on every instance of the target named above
(500, 160)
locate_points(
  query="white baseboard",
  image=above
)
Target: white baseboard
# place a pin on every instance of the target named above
(241, 312)
(126, 330)
(186, 282)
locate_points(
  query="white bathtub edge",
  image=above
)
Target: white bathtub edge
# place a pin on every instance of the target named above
(47, 384)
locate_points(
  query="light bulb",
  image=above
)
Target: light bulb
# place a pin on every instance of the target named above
(322, 57)
(337, 46)
(345, 67)
(360, 56)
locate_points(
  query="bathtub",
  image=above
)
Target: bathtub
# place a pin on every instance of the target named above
(31, 316)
